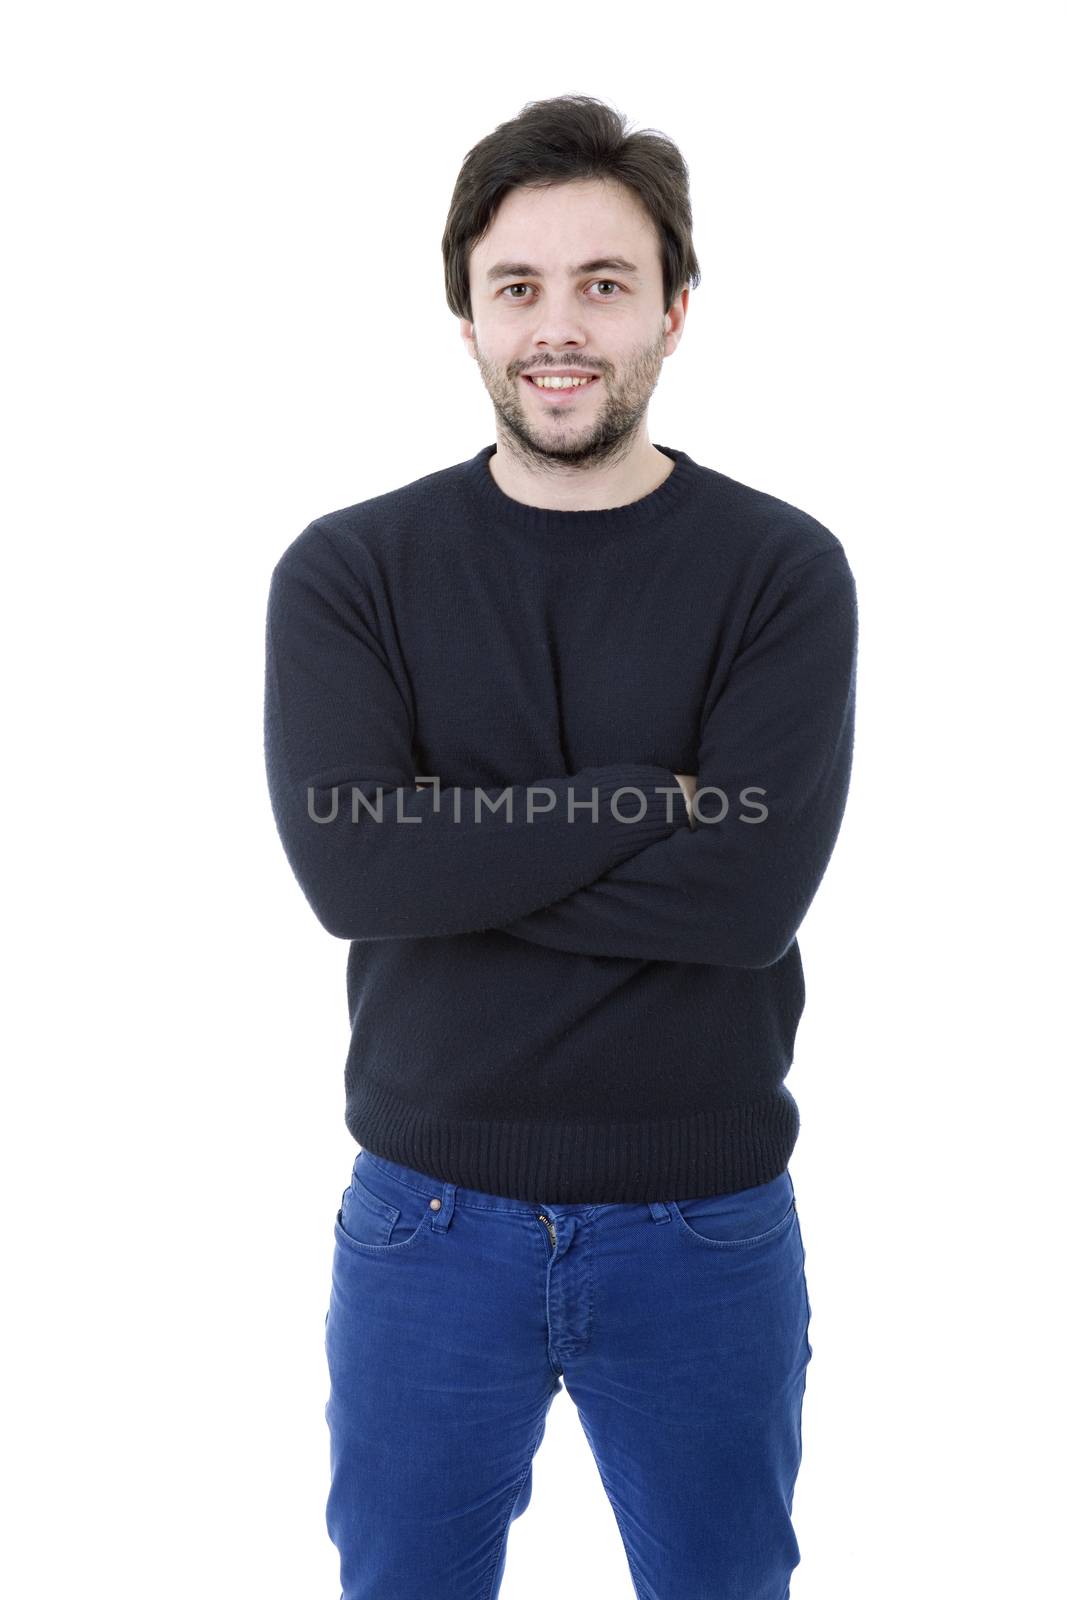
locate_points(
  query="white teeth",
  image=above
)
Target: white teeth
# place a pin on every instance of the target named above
(561, 383)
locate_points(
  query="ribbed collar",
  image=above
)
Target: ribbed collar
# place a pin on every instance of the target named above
(476, 476)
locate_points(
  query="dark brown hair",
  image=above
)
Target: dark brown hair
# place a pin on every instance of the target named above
(556, 141)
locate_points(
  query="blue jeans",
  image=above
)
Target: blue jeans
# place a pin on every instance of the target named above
(679, 1327)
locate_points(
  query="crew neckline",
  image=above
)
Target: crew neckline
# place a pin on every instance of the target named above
(580, 523)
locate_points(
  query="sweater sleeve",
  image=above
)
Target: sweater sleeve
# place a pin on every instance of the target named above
(733, 892)
(379, 858)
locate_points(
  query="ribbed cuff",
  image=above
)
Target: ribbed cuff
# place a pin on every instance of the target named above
(664, 804)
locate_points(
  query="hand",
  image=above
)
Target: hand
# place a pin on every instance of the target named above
(688, 781)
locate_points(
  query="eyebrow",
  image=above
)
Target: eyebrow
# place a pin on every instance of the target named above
(523, 269)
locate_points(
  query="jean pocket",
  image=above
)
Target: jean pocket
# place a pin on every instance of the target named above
(740, 1220)
(379, 1214)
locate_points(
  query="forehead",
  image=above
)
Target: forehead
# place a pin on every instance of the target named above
(561, 229)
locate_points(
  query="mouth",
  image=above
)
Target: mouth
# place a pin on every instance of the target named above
(561, 397)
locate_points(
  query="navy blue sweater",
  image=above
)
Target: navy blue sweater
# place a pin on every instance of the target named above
(561, 988)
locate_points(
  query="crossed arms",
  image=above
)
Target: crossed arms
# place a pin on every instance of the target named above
(664, 887)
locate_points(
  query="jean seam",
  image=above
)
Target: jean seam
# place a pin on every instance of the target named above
(639, 1589)
(535, 1445)
(487, 1591)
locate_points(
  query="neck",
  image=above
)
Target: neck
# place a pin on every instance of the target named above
(595, 484)
(632, 513)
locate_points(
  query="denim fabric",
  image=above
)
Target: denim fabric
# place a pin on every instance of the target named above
(679, 1328)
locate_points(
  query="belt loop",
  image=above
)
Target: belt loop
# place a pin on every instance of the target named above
(658, 1211)
(442, 1207)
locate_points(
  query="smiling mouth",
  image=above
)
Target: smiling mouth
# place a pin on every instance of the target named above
(561, 396)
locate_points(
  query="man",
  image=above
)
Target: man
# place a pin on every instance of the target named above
(573, 978)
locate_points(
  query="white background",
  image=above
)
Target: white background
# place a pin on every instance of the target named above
(225, 317)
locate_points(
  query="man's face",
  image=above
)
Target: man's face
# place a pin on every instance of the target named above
(607, 321)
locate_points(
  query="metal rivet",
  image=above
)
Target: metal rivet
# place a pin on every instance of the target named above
(435, 1205)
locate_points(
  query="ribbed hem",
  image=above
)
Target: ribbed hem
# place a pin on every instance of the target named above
(476, 476)
(581, 1162)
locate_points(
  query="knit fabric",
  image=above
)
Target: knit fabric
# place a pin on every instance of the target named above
(560, 987)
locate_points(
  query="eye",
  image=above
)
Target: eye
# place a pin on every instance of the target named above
(506, 291)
